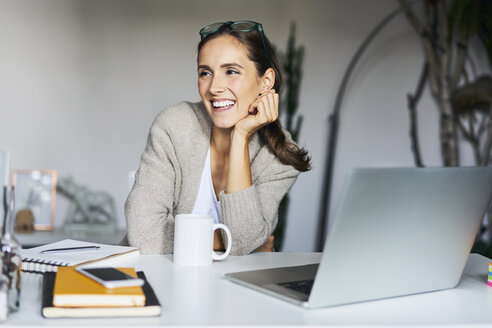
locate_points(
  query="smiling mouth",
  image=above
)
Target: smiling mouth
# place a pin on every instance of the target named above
(223, 105)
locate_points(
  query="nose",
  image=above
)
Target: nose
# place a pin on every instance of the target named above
(217, 85)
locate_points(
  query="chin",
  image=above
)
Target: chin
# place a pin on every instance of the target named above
(223, 124)
(224, 121)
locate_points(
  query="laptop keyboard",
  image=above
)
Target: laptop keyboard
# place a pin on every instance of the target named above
(302, 286)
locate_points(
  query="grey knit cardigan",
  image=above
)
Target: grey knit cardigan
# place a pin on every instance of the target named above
(167, 182)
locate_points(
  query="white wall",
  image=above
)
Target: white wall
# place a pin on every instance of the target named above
(81, 82)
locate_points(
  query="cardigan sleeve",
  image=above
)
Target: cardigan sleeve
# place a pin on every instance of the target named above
(252, 213)
(149, 207)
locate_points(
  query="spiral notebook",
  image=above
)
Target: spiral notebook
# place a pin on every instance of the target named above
(33, 260)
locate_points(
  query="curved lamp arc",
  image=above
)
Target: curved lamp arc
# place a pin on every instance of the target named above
(334, 120)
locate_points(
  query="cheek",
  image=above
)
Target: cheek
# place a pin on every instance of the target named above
(202, 87)
(246, 96)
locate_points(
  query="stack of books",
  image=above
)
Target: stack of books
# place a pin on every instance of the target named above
(70, 294)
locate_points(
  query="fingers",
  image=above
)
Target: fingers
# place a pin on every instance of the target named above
(273, 108)
(267, 105)
(263, 111)
(253, 107)
(264, 92)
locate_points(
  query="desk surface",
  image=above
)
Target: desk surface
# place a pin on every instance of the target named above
(200, 296)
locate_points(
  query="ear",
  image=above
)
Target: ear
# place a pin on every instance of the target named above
(268, 79)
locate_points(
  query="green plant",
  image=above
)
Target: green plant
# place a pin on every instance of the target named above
(463, 97)
(291, 62)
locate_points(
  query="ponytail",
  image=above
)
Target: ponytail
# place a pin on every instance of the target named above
(287, 152)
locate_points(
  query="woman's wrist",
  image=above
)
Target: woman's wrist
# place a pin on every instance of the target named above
(239, 135)
(239, 175)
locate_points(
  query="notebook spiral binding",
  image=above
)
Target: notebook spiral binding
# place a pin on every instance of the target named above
(33, 259)
(40, 266)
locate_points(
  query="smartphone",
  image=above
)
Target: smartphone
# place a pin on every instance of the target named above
(111, 277)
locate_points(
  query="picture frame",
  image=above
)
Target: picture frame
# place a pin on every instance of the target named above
(35, 190)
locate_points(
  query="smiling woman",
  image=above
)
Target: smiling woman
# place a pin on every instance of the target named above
(226, 156)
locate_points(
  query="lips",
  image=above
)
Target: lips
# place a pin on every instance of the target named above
(222, 105)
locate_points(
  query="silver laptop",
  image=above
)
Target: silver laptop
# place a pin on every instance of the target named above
(395, 232)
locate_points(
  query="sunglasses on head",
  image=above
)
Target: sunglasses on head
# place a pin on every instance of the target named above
(240, 26)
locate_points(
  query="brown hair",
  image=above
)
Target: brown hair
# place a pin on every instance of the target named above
(287, 152)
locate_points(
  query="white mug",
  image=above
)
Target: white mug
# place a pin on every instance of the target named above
(194, 240)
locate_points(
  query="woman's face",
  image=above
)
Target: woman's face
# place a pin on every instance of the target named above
(228, 81)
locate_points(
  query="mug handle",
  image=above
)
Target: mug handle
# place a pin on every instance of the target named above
(216, 256)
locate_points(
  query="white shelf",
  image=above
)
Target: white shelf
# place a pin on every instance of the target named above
(38, 238)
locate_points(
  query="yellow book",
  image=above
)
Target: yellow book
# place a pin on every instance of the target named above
(73, 289)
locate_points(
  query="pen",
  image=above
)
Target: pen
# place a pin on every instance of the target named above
(71, 249)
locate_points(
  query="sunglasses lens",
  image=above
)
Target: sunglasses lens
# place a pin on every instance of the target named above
(210, 29)
(243, 26)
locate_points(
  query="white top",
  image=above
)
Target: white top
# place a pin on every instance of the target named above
(206, 200)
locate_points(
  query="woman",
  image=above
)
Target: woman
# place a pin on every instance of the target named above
(226, 156)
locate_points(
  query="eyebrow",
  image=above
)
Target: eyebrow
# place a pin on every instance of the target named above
(222, 66)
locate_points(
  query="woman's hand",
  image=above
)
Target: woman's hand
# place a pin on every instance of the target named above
(262, 111)
(218, 242)
(267, 246)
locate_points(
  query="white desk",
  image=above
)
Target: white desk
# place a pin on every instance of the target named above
(202, 297)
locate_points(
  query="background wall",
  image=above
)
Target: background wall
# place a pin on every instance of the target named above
(82, 80)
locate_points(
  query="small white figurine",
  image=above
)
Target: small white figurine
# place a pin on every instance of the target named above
(93, 209)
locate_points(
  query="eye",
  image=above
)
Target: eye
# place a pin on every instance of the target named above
(231, 71)
(204, 73)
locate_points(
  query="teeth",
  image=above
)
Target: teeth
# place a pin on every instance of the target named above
(223, 103)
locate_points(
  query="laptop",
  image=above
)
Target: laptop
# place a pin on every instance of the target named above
(396, 231)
